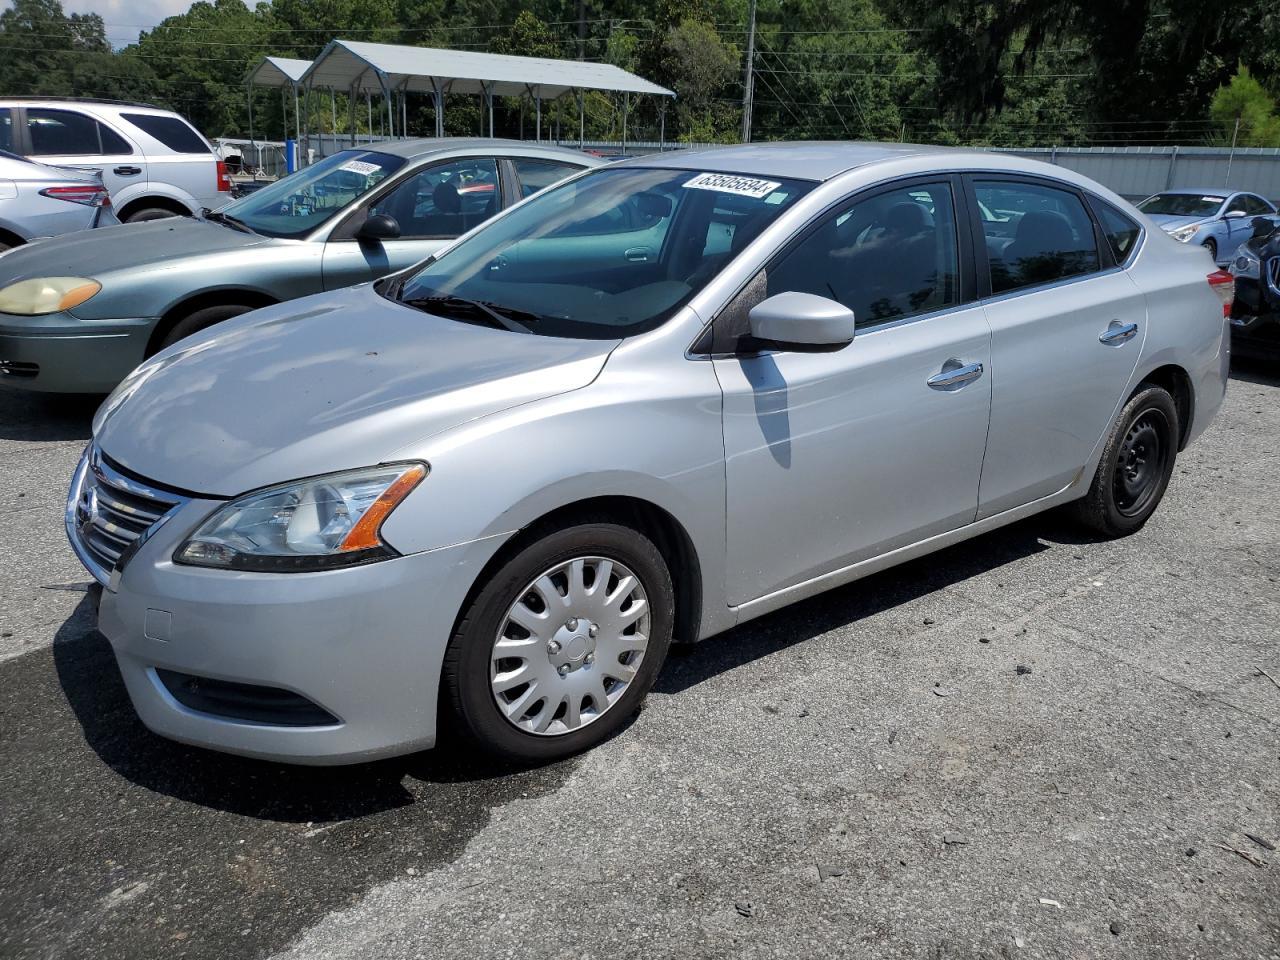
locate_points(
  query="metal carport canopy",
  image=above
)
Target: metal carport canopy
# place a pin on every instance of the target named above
(278, 72)
(375, 67)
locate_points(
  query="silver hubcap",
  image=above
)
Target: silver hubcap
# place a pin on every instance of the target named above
(569, 646)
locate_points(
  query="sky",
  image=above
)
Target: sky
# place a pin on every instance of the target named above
(124, 18)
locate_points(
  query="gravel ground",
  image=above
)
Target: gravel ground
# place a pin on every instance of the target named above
(1031, 745)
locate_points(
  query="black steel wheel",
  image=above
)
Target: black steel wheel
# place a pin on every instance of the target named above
(1137, 462)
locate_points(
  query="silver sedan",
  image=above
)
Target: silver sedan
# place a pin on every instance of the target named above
(39, 201)
(658, 400)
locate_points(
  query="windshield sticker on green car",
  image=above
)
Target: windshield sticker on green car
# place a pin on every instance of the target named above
(728, 183)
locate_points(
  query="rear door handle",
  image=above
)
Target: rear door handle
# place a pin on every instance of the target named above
(1119, 333)
(955, 373)
(636, 254)
(127, 171)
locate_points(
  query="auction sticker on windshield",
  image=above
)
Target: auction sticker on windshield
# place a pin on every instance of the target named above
(360, 166)
(728, 183)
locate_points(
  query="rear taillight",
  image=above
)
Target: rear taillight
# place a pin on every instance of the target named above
(224, 181)
(88, 194)
(1224, 285)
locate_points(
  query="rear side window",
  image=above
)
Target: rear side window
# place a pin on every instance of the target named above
(62, 133)
(536, 174)
(173, 132)
(1034, 234)
(1253, 206)
(1122, 233)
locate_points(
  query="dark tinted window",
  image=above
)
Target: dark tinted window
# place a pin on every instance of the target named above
(536, 174)
(886, 257)
(173, 132)
(444, 200)
(1052, 235)
(1254, 205)
(62, 133)
(1122, 233)
(112, 142)
(6, 129)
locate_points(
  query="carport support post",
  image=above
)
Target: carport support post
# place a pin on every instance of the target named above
(368, 103)
(439, 98)
(582, 122)
(538, 101)
(297, 128)
(662, 125)
(333, 106)
(626, 98)
(488, 102)
(250, 120)
(352, 94)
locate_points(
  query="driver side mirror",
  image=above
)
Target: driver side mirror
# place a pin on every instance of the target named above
(379, 227)
(1233, 215)
(801, 322)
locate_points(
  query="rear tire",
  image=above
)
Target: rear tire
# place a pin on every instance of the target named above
(578, 643)
(150, 213)
(200, 320)
(1136, 465)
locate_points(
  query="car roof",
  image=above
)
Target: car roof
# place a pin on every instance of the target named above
(413, 149)
(1223, 192)
(804, 160)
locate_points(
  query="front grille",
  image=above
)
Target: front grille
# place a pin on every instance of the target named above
(1273, 272)
(108, 511)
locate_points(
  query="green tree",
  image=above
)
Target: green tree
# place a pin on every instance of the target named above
(701, 64)
(1246, 112)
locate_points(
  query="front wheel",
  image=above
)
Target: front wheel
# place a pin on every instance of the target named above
(1136, 465)
(559, 648)
(1212, 246)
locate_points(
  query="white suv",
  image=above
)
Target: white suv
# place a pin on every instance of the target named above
(154, 163)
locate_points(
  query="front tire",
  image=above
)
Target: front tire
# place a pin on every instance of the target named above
(559, 648)
(200, 320)
(1212, 246)
(1136, 465)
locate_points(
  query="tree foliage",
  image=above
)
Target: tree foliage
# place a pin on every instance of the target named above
(1002, 72)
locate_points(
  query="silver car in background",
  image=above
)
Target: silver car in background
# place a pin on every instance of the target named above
(355, 216)
(39, 201)
(1218, 220)
(652, 402)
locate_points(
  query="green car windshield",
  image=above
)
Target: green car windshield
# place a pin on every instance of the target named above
(295, 205)
(609, 254)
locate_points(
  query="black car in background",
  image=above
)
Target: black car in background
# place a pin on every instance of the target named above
(1255, 315)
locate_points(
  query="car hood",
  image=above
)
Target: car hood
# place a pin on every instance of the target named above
(1168, 222)
(330, 382)
(92, 253)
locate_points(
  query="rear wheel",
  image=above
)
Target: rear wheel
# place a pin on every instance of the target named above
(150, 213)
(1136, 465)
(560, 646)
(200, 320)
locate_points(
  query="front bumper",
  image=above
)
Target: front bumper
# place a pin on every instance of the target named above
(59, 353)
(362, 645)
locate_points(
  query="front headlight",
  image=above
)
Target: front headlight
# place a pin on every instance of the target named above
(316, 524)
(31, 298)
(1183, 234)
(1246, 265)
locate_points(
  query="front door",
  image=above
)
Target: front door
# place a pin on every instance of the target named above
(834, 458)
(1066, 333)
(432, 206)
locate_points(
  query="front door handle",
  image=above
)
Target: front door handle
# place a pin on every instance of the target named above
(127, 171)
(1118, 333)
(954, 373)
(636, 254)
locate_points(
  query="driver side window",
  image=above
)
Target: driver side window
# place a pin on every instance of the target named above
(444, 200)
(885, 257)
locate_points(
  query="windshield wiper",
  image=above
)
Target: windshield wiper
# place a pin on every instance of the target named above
(217, 216)
(496, 314)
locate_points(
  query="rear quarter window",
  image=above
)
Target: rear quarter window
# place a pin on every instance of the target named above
(1122, 233)
(174, 132)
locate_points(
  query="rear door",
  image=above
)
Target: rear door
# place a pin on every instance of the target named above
(432, 205)
(71, 138)
(1067, 327)
(178, 155)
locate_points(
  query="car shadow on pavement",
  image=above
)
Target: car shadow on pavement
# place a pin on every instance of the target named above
(96, 693)
(1256, 368)
(46, 416)
(694, 663)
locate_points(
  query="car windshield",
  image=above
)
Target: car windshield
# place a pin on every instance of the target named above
(1181, 205)
(297, 204)
(607, 255)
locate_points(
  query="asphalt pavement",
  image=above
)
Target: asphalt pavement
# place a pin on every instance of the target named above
(1031, 745)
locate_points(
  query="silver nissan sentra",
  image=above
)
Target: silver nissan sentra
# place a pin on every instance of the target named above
(650, 403)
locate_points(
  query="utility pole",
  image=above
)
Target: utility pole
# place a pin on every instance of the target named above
(749, 78)
(1235, 135)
